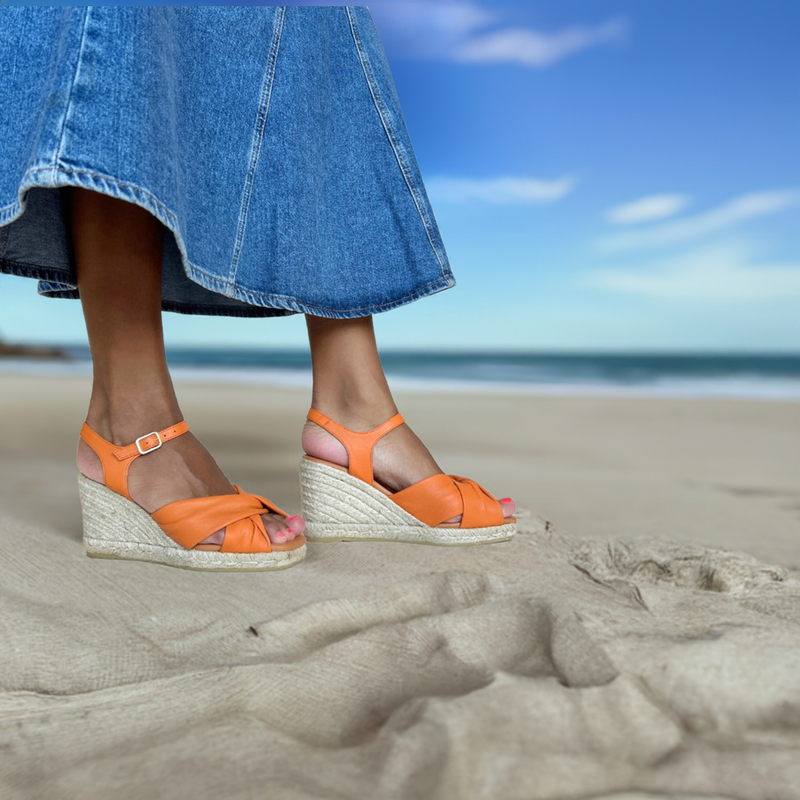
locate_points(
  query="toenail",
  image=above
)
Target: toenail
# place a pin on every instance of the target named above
(289, 519)
(506, 500)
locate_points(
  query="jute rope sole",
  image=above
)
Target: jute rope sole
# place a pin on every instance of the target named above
(337, 507)
(114, 527)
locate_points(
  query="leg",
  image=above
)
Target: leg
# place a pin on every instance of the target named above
(350, 387)
(118, 255)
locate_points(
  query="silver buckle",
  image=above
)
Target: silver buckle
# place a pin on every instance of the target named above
(149, 449)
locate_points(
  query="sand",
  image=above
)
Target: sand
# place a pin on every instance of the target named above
(624, 649)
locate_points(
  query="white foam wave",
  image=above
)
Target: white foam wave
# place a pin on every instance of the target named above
(734, 388)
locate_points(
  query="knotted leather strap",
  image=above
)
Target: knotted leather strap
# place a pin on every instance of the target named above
(440, 497)
(188, 522)
(359, 445)
(116, 460)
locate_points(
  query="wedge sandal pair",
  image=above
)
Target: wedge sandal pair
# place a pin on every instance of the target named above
(338, 504)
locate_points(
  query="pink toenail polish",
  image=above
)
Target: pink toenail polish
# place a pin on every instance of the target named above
(296, 516)
(506, 500)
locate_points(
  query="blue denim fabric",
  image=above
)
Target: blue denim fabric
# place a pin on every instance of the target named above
(269, 140)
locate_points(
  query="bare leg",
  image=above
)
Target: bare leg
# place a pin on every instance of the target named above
(350, 387)
(118, 256)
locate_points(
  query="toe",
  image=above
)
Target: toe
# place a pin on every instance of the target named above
(509, 507)
(213, 542)
(295, 524)
(283, 529)
(276, 529)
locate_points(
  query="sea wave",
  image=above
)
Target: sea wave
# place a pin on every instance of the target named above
(564, 378)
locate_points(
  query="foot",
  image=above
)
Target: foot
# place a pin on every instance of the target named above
(181, 469)
(399, 459)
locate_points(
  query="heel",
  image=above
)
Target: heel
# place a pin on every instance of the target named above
(115, 527)
(333, 500)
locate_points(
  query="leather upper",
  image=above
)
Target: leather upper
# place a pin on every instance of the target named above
(431, 500)
(116, 460)
(188, 522)
(359, 445)
(441, 497)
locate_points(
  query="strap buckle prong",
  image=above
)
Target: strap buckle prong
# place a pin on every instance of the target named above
(149, 449)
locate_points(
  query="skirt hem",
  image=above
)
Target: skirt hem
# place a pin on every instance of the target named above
(54, 177)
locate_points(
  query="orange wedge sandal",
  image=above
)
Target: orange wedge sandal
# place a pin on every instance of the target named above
(347, 504)
(114, 526)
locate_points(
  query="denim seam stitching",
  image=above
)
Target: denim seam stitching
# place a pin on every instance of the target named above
(291, 304)
(212, 282)
(258, 139)
(55, 276)
(60, 148)
(169, 220)
(33, 271)
(102, 176)
(397, 148)
(238, 292)
(4, 237)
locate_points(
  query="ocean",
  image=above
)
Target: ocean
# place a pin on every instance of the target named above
(745, 376)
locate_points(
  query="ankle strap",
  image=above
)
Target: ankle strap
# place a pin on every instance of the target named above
(359, 445)
(151, 441)
(116, 460)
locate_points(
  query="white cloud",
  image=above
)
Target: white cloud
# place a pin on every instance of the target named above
(728, 215)
(722, 274)
(498, 190)
(533, 48)
(460, 32)
(424, 30)
(647, 209)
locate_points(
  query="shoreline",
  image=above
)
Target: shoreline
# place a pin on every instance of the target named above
(755, 389)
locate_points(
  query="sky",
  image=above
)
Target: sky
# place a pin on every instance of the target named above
(607, 175)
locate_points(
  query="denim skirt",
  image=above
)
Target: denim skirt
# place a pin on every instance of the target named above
(268, 140)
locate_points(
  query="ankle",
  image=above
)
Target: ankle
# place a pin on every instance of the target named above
(124, 421)
(357, 410)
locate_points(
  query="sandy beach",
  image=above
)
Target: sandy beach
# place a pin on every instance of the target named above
(639, 637)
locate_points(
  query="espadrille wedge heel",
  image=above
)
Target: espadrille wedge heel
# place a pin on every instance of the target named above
(346, 504)
(114, 526)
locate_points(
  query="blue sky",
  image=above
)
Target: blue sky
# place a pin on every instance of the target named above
(606, 175)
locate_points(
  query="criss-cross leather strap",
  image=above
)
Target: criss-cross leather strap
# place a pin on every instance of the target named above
(359, 445)
(432, 500)
(116, 460)
(191, 521)
(440, 497)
